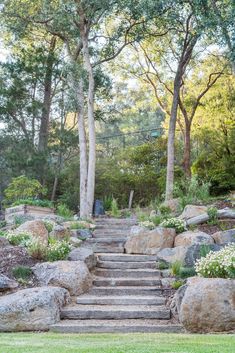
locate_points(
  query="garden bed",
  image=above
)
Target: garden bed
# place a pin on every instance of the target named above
(27, 210)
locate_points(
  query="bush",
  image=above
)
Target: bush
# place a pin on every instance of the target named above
(192, 191)
(114, 209)
(213, 215)
(32, 202)
(18, 220)
(3, 224)
(163, 265)
(77, 225)
(147, 224)
(22, 272)
(18, 238)
(164, 210)
(177, 284)
(49, 226)
(204, 250)
(107, 203)
(64, 211)
(58, 250)
(218, 264)
(23, 188)
(37, 249)
(141, 216)
(186, 272)
(175, 268)
(177, 224)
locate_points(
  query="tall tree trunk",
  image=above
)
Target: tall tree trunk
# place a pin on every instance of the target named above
(187, 150)
(91, 128)
(45, 119)
(83, 151)
(171, 138)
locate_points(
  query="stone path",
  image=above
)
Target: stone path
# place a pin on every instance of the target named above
(127, 293)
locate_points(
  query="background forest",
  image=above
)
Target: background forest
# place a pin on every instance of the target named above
(121, 91)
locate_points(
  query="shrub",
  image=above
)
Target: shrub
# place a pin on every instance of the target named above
(186, 272)
(177, 284)
(114, 209)
(22, 272)
(147, 224)
(18, 238)
(64, 211)
(107, 202)
(204, 250)
(192, 191)
(164, 210)
(141, 216)
(18, 220)
(156, 220)
(37, 249)
(175, 268)
(58, 250)
(49, 226)
(176, 223)
(218, 264)
(23, 188)
(33, 202)
(3, 224)
(77, 225)
(162, 265)
(213, 215)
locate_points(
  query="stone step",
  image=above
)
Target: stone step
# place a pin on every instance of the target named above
(116, 326)
(107, 249)
(113, 226)
(119, 221)
(113, 282)
(126, 257)
(134, 273)
(111, 234)
(115, 312)
(126, 265)
(106, 240)
(126, 290)
(121, 300)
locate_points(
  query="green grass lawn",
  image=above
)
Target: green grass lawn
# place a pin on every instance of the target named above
(115, 343)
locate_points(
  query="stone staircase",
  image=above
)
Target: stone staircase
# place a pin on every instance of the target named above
(127, 293)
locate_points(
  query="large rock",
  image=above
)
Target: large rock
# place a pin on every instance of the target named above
(32, 309)
(197, 251)
(83, 254)
(171, 255)
(4, 242)
(60, 232)
(173, 204)
(177, 300)
(72, 275)
(190, 238)
(228, 236)
(36, 228)
(191, 211)
(150, 241)
(7, 283)
(208, 305)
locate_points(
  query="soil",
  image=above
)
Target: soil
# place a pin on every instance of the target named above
(14, 256)
(223, 224)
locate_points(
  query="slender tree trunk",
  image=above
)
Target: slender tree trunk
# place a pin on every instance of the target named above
(45, 119)
(171, 138)
(91, 128)
(54, 188)
(187, 150)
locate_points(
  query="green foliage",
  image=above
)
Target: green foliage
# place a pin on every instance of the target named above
(175, 268)
(218, 264)
(114, 209)
(77, 225)
(141, 216)
(204, 250)
(192, 191)
(147, 224)
(156, 220)
(49, 226)
(23, 188)
(18, 220)
(177, 224)
(32, 202)
(58, 250)
(164, 210)
(162, 265)
(186, 272)
(3, 224)
(22, 272)
(177, 284)
(213, 215)
(107, 201)
(64, 211)
(18, 238)
(37, 249)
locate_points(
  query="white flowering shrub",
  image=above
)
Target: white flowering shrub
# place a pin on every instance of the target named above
(217, 264)
(18, 238)
(176, 223)
(147, 224)
(58, 250)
